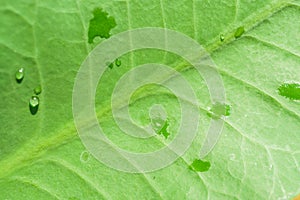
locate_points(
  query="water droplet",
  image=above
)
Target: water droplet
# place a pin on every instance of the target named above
(222, 37)
(270, 167)
(34, 104)
(34, 101)
(239, 32)
(118, 62)
(20, 75)
(290, 90)
(37, 90)
(219, 110)
(85, 156)
(200, 165)
(111, 65)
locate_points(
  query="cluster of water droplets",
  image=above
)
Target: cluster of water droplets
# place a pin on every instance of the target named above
(34, 101)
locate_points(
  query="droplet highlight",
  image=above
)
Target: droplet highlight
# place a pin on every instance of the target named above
(34, 101)
(37, 90)
(199, 165)
(290, 90)
(34, 104)
(219, 110)
(118, 62)
(239, 32)
(19, 75)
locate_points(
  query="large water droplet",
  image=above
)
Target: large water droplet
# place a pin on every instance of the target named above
(219, 110)
(37, 90)
(239, 32)
(290, 90)
(270, 167)
(118, 62)
(200, 165)
(222, 37)
(34, 104)
(20, 75)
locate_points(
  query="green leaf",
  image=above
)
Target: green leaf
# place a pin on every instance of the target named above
(258, 153)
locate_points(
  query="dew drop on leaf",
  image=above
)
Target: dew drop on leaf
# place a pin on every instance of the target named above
(219, 110)
(222, 37)
(34, 101)
(270, 167)
(111, 65)
(37, 90)
(118, 62)
(34, 104)
(239, 32)
(20, 75)
(290, 90)
(199, 165)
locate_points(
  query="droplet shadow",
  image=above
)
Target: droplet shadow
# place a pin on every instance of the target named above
(33, 109)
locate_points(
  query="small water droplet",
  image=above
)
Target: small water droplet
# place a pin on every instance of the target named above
(34, 104)
(200, 165)
(219, 110)
(290, 90)
(118, 62)
(20, 75)
(222, 37)
(37, 90)
(232, 156)
(239, 32)
(34, 101)
(270, 167)
(111, 65)
(85, 156)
